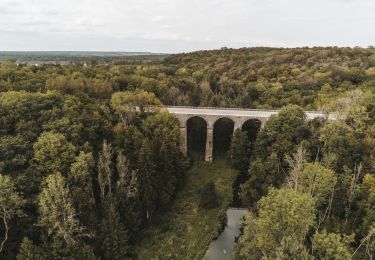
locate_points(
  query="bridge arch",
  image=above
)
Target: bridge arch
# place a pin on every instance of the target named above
(213, 115)
(196, 131)
(223, 129)
(252, 127)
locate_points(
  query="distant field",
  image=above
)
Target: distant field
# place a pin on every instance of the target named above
(62, 57)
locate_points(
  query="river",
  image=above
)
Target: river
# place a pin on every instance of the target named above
(222, 247)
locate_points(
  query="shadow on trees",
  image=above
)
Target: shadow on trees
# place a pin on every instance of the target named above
(196, 137)
(223, 132)
(252, 127)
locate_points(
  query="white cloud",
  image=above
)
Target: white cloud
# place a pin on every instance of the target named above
(159, 18)
(182, 25)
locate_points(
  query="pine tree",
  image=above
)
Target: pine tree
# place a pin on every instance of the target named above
(239, 151)
(208, 199)
(29, 251)
(114, 235)
(148, 181)
(80, 180)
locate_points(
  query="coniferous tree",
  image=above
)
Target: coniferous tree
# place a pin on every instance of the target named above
(81, 186)
(239, 151)
(28, 250)
(114, 236)
(148, 179)
(208, 196)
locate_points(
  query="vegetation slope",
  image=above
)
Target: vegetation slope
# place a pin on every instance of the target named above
(84, 173)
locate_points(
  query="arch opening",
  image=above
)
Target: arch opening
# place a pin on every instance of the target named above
(196, 137)
(222, 136)
(252, 127)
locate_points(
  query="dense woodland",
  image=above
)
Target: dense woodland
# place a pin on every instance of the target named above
(85, 170)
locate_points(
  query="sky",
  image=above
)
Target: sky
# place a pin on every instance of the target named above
(170, 26)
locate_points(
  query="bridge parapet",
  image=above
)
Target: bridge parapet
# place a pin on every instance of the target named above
(238, 115)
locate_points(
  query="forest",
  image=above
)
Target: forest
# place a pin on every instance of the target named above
(87, 172)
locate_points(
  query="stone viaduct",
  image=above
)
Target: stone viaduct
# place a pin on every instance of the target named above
(211, 115)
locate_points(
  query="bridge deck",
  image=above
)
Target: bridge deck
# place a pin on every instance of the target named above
(234, 112)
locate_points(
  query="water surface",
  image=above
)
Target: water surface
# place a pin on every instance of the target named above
(221, 248)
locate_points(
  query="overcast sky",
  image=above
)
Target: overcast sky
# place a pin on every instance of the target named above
(183, 25)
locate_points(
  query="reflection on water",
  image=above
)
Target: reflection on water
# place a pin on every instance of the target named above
(221, 248)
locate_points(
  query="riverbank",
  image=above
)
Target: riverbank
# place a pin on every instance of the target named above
(186, 231)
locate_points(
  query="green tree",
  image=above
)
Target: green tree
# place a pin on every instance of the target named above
(367, 202)
(284, 213)
(314, 179)
(114, 235)
(239, 151)
(282, 132)
(126, 103)
(339, 139)
(148, 181)
(53, 153)
(285, 217)
(11, 203)
(127, 194)
(331, 246)
(81, 187)
(262, 175)
(208, 196)
(57, 213)
(105, 170)
(280, 136)
(129, 139)
(162, 130)
(28, 250)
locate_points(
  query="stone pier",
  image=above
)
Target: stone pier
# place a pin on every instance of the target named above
(211, 115)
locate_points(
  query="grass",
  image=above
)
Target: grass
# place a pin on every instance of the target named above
(186, 231)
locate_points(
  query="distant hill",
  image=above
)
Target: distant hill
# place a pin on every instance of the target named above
(64, 57)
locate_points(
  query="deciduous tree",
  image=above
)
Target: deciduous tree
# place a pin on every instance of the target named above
(11, 203)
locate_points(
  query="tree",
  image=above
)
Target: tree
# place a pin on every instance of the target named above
(245, 248)
(281, 135)
(284, 213)
(160, 162)
(239, 151)
(331, 246)
(128, 103)
(113, 234)
(105, 170)
(129, 139)
(208, 196)
(80, 86)
(291, 248)
(11, 203)
(81, 186)
(284, 219)
(163, 133)
(29, 251)
(262, 174)
(314, 179)
(339, 139)
(127, 183)
(367, 203)
(282, 132)
(127, 194)
(53, 153)
(57, 213)
(148, 179)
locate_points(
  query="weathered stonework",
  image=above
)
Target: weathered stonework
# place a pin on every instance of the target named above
(211, 115)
